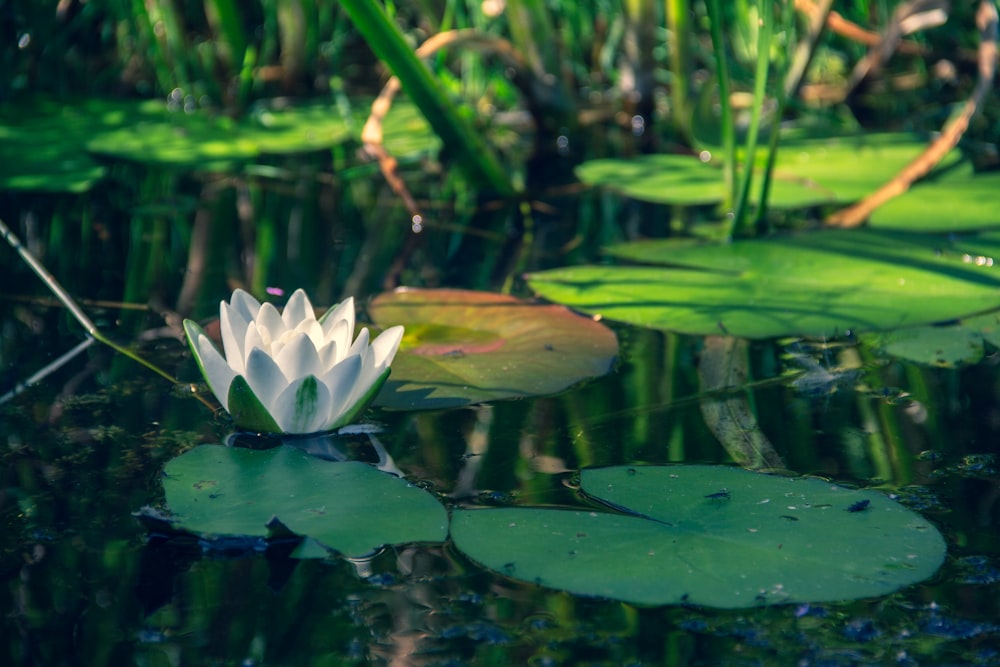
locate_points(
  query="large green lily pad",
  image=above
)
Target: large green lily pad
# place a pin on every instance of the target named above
(808, 172)
(464, 347)
(349, 507)
(814, 284)
(708, 535)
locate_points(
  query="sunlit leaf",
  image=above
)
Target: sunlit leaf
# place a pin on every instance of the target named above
(961, 201)
(466, 347)
(707, 535)
(818, 284)
(661, 179)
(349, 507)
(808, 171)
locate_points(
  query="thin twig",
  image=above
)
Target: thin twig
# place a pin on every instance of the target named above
(76, 311)
(48, 370)
(856, 214)
(371, 134)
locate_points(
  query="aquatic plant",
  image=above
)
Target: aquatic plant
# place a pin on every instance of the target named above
(291, 372)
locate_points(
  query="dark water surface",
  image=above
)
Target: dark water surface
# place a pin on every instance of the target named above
(85, 584)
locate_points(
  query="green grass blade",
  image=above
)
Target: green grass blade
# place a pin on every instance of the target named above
(386, 40)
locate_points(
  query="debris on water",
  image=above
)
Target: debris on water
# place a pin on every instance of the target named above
(976, 570)
(860, 506)
(477, 631)
(861, 630)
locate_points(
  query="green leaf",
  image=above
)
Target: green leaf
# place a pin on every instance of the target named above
(707, 535)
(660, 179)
(808, 172)
(960, 202)
(248, 412)
(42, 144)
(349, 507)
(946, 346)
(816, 284)
(466, 347)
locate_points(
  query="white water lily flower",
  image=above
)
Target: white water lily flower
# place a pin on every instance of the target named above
(289, 372)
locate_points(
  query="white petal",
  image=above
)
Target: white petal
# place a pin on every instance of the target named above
(253, 341)
(298, 358)
(341, 381)
(304, 407)
(384, 347)
(244, 304)
(233, 325)
(298, 309)
(215, 369)
(342, 335)
(360, 346)
(342, 312)
(312, 329)
(327, 356)
(270, 324)
(265, 378)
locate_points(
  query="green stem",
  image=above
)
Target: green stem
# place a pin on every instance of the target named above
(455, 130)
(728, 132)
(679, 48)
(71, 305)
(759, 90)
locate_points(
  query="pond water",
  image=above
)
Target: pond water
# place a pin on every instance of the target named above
(85, 583)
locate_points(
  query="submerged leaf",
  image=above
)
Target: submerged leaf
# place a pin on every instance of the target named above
(724, 364)
(708, 535)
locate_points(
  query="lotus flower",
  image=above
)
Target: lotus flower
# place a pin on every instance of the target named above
(289, 372)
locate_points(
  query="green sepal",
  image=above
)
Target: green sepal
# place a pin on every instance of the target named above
(353, 413)
(191, 331)
(249, 414)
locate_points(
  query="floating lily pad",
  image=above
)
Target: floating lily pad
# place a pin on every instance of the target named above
(464, 347)
(50, 146)
(808, 172)
(815, 284)
(946, 346)
(349, 507)
(660, 179)
(42, 144)
(708, 535)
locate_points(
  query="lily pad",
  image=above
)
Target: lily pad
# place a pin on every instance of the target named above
(814, 284)
(948, 346)
(349, 507)
(808, 172)
(464, 347)
(42, 144)
(708, 535)
(660, 179)
(962, 201)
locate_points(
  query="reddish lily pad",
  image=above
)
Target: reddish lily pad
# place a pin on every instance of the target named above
(465, 347)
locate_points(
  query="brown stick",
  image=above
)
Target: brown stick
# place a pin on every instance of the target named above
(371, 134)
(856, 214)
